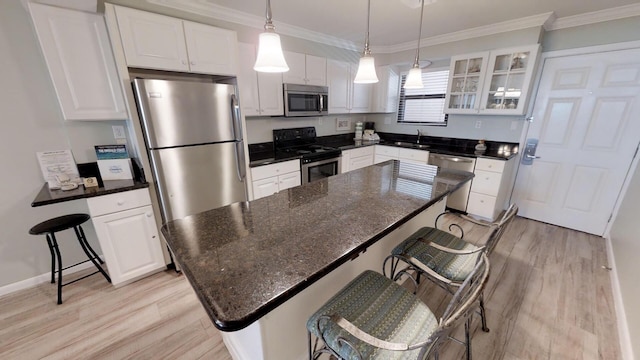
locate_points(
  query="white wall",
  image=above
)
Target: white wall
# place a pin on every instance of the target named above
(32, 122)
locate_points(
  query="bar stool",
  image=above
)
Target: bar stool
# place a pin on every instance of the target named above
(50, 227)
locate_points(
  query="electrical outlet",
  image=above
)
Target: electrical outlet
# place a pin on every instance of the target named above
(478, 124)
(118, 132)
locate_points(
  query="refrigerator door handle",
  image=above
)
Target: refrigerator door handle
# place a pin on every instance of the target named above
(240, 164)
(235, 117)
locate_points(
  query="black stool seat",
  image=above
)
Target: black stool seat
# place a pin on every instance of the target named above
(59, 223)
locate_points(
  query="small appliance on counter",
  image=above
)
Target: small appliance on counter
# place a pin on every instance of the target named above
(370, 131)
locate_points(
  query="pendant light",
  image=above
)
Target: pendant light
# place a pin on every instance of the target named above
(414, 79)
(270, 57)
(367, 68)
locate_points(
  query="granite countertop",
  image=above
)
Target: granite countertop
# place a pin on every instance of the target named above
(262, 153)
(245, 259)
(47, 197)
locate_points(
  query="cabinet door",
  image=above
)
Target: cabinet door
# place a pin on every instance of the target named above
(290, 180)
(316, 70)
(360, 162)
(211, 50)
(346, 160)
(265, 187)
(296, 73)
(466, 78)
(508, 80)
(248, 80)
(130, 243)
(152, 41)
(338, 78)
(78, 54)
(270, 94)
(360, 94)
(385, 92)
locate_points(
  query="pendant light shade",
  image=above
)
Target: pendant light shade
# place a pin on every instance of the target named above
(414, 79)
(270, 57)
(366, 68)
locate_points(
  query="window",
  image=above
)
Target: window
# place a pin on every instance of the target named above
(426, 105)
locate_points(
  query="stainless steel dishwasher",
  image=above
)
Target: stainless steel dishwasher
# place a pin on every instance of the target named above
(457, 200)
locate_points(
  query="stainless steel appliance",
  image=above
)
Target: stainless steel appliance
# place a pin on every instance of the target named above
(458, 200)
(317, 161)
(305, 100)
(194, 139)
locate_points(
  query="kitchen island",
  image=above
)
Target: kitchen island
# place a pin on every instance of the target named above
(261, 268)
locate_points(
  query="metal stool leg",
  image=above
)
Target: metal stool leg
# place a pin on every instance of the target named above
(483, 314)
(86, 251)
(59, 256)
(86, 243)
(53, 261)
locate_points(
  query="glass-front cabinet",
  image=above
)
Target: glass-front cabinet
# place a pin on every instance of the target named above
(465, 82)
(500, 88)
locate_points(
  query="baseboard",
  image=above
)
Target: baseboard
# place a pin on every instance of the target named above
(37, 280)
(623, 327)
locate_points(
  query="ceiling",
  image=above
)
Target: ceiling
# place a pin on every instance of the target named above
(394, 25)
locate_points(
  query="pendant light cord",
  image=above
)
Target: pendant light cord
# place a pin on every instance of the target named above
(416, 63)
(367, 51)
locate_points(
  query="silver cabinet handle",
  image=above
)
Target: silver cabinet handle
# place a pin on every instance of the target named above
(321, 102)
(532, 157)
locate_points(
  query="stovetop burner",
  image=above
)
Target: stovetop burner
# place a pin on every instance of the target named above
(301, 142)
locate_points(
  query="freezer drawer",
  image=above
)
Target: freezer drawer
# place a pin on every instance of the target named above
(194, 179)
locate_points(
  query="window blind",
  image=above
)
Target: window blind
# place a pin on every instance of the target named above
(426, 105)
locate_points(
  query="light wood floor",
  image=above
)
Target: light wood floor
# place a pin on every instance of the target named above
(548, 298)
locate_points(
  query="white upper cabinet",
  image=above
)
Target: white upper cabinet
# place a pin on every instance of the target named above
(153, 41)
(211, 50)
(344, 95)
(78, 55)
(495, 82)
(260, 93)
(305, 69)
(385, 92)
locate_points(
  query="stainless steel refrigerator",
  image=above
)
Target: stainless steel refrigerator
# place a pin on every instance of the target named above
(193, 135)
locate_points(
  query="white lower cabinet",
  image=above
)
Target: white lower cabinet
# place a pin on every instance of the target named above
(127, 234)
(269, 179)
(491, 187)
(384, 153)
(357, 158)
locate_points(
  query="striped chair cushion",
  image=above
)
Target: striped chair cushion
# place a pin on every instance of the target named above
(453, 267)
(381, 308)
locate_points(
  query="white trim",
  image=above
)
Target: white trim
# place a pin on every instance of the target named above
(615, 13)
(623, 328)
(40, 279)
(505, 26)
(592, 49)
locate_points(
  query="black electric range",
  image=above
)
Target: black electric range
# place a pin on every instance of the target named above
(301, 143)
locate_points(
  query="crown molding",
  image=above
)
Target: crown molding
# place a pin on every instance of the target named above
(505, 26)
(205, 8)
(615, 13)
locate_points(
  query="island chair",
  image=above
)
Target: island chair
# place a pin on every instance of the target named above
(444, 258)
(373, 317)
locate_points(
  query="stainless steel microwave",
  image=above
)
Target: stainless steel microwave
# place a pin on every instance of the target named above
(305, 100)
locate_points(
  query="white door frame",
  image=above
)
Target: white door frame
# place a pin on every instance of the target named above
(538, 77)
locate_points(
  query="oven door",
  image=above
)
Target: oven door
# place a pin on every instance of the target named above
(321, 169)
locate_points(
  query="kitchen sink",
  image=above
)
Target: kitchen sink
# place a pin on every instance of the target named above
(411, 145)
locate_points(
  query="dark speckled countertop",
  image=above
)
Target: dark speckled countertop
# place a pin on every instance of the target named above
(245, 259)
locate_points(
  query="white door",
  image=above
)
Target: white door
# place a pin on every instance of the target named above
(316, 70)
(338, 77)
(130, 243)
(152, 41)
(587, 121)
(296, 73)
(248, 80)
(203, 46)
(265, 187)
(78, 54)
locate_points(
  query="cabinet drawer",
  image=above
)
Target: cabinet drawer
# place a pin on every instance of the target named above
(490, 165)
(481, 205)
(382, 158)
(415, 155)
(265, 171)
(363, 151)
(486, 182)
(107, 204)
(387, 151)
(360, 162)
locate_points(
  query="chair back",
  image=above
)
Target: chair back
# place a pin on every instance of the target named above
(499, 227)
(465, 300)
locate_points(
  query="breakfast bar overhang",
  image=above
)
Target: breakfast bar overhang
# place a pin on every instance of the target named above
(261, 268)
